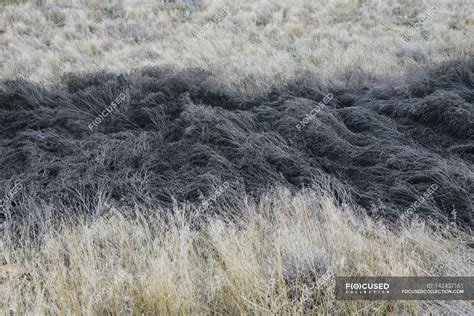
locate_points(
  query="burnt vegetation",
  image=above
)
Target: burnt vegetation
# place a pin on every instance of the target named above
(177, 136)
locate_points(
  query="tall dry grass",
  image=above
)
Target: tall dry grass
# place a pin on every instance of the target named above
(257, 46)
(278, 256)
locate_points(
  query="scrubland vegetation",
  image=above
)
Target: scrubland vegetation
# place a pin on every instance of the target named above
(267, 259)
(198, 192)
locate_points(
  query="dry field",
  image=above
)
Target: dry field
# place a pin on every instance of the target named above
(255, 46)
(105, 220)
(278, 257)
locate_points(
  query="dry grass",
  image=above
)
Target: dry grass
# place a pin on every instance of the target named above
(258, 45)
(270, 258)
(266, 261)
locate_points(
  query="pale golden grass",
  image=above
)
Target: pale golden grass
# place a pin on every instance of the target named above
(265, 261)
(259, 45)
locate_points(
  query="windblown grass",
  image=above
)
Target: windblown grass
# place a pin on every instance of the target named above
(181, 132)
(267, 260)
(176, 137)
